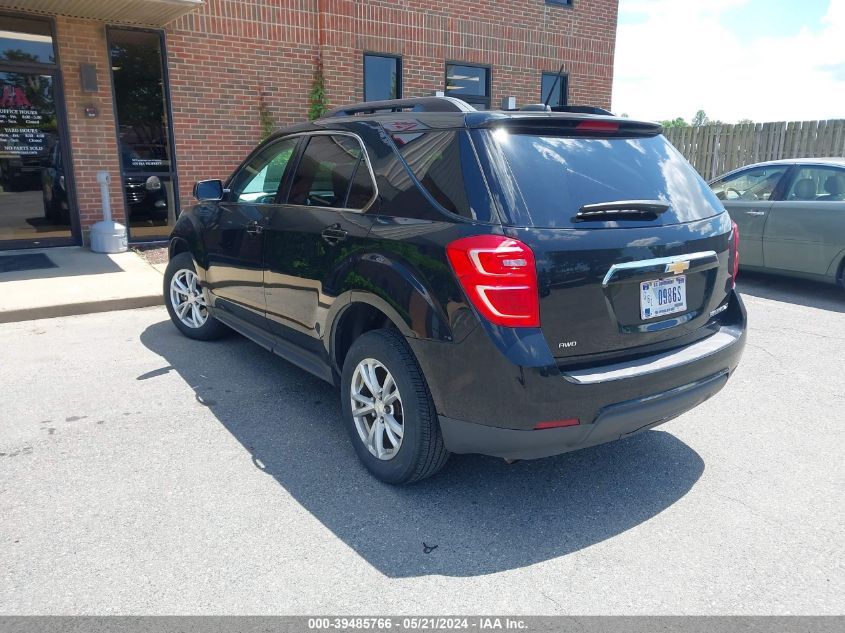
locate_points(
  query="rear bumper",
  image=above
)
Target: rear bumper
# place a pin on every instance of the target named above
(491, 405)
(613, 423)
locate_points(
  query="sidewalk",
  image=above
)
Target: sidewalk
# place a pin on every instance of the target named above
(81, 282)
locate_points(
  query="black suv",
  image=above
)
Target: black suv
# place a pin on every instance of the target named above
(517, 284)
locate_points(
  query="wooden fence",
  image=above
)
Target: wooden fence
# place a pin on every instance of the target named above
(716, 149)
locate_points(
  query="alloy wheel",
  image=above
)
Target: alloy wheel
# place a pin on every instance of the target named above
(188, 299)
(377, 409)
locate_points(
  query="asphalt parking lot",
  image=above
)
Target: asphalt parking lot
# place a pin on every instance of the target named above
(144, 473)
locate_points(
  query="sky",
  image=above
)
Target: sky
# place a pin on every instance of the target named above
(765, 60)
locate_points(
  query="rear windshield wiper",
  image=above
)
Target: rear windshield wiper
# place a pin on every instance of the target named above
(621, 210)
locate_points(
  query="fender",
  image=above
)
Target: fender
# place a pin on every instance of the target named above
(187, 231)
(836, 267)
(388, 282)
(347, 300)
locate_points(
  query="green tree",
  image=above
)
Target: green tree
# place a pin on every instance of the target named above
(700, 119)
(670, 123)
(744, 121)
(318, 102)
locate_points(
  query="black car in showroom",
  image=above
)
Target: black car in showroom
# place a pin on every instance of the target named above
(146, 197)
(517, 284)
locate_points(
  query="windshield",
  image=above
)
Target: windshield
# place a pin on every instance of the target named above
(552, 177)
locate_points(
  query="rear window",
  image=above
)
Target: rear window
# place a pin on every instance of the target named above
(551, 177)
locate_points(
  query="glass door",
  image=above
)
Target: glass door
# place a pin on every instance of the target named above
(35, 207)
(144, 135)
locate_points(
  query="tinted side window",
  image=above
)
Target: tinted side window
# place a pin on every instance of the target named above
(757, 183)
(332, 173)
(446, 166)
(818, 183)
(258, 181)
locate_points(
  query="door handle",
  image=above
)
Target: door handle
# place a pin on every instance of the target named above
(755, 213)
(254, 228)
(334, 234)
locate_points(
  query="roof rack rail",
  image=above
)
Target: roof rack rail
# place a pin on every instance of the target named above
(418, 104)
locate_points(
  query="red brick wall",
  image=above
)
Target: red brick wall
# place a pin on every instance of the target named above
(93, 141)
(226, 61)
(231, 57)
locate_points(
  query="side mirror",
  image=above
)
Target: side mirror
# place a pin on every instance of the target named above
(208, 190)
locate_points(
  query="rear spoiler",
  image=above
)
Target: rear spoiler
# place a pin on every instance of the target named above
(573, 125)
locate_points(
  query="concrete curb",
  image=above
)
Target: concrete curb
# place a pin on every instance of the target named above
(85, 307)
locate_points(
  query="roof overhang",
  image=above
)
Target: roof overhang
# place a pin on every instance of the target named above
(139, 12)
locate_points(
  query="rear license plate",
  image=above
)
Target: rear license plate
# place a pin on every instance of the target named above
(663, 296)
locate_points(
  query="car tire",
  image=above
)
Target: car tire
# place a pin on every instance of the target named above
(186, 301)
(421, 452)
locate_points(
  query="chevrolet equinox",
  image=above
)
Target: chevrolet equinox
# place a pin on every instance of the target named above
(517, 284)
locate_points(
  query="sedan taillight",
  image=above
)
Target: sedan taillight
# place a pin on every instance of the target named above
(499, 277)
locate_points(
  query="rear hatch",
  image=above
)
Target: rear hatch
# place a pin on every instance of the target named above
(632, 248)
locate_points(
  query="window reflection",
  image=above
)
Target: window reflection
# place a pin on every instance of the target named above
(149, 204)
(144, 142)
(557, 175)
(470, 83)
(26, 40)
(554, 88)
(139, 100)
(382, 78)
(33, 199)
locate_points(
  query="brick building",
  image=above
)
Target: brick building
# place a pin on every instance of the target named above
(161, 93)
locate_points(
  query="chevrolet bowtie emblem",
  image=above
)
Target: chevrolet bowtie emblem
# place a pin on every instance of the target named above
(676, 268)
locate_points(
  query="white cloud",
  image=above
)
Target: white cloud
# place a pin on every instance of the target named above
(675, 58)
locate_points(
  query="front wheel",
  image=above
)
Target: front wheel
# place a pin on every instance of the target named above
(388, 410)
(186, 301)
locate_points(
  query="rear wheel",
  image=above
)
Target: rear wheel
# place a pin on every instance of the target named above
(186, 301)
(388, 410)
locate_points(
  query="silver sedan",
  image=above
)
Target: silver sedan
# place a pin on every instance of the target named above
(791, 216)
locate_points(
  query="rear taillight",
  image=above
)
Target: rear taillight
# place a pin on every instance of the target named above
(499, 277)
(735, 250)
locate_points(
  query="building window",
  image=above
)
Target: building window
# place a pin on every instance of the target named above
(554, 89)
(25, 40)
(139, 82)
(566, 3)
(470, 83)
(382, 77)
(37, 205)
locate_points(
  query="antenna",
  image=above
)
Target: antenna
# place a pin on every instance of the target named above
(554, 85)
